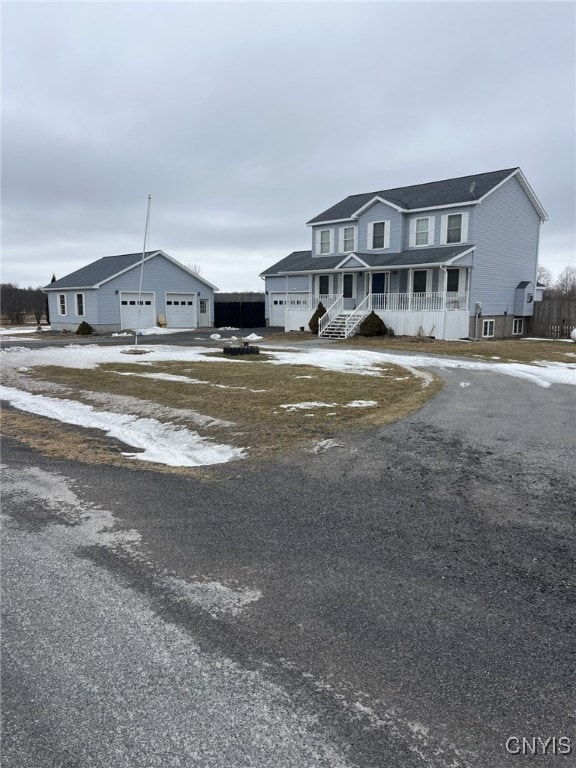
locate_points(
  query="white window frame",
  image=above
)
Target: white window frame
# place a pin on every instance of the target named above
(78, 313)
(463, 229)
(370, 242)
(343, 248)
(413, 233)
(62, 304)
(319, 250)
(488, 325)
(517, 326)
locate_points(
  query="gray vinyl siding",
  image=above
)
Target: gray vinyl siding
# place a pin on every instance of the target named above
(380, 212)
(103, 304)
(506, 235)
(284, 284)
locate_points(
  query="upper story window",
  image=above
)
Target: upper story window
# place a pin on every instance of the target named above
(454, 228)
(80, 305)
(379, 234)
(421, 231)
(348, 238)
(324, 241)
(62, 310)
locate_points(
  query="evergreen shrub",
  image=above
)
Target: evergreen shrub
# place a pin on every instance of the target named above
(313, 324)
(84, 329)
(372, 325)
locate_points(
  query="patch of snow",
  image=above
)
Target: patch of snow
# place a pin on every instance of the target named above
(253, 337)
(215, 336)
(361, 404)
(160, 443)
(326, 445)
(211, 596)
(305, 406)
(464, 383)
(124, 333)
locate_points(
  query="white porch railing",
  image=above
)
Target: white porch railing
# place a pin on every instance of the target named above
(354, 319)
(331, 312)
(309, 300)
(418, 302)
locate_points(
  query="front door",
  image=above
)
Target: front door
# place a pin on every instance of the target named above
(348, 291)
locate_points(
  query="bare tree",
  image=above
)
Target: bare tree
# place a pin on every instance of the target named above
(13, 302)
(36, 303)
(565, 286)
(196, 268)
(544, 275)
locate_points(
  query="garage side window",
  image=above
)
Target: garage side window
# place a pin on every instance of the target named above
(62, 310)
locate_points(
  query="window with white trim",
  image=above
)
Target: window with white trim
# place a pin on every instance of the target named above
(324, 238)
(348, 239)
(79, 301)
(454, 228)
(518, 326)
(62, 309)
(378, 235)
(487, 329)
(323, 285)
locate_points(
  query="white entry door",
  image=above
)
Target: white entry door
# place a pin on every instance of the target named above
(135, 315)
(277, 309)
(181, 310)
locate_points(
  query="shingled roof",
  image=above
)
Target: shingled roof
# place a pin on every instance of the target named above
(465, 189)
(98, 272)
(303, 261)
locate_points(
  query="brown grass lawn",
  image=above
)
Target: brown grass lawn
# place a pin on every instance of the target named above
(248, 392)
(507, 350)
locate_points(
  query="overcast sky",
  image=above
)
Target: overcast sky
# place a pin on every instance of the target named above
(244, 120)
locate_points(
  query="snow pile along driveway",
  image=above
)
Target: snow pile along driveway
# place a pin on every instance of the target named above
(160, 443)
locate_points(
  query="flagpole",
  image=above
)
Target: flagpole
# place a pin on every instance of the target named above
(146, 230)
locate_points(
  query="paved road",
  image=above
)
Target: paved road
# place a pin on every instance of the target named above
(404, 600)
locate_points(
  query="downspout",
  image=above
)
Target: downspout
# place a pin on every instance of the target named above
(445, 270)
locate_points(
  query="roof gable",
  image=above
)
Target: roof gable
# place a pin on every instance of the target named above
(464, 190)
(103, 270)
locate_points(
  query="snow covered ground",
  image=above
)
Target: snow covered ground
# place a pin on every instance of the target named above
(176, 446)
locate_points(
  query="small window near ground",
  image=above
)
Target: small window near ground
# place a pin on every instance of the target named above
(62, 304)
(487, 329)
(518, 326)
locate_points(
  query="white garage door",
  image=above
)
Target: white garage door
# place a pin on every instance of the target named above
(277, 309)
(181, 310)
(129, 316)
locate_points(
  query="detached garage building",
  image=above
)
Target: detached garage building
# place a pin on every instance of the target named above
(106, 294)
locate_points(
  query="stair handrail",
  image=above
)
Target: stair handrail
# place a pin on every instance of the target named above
(355, 318)
(333, 311)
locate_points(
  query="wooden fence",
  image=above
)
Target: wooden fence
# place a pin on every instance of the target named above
(554, 318)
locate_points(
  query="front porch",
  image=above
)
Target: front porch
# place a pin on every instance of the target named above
(442, 314)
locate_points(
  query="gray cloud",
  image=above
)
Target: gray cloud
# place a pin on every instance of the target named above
(245, 120)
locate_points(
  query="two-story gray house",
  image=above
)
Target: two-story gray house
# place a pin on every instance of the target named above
(450, 259)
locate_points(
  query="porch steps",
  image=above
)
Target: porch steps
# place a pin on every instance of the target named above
(336, 328)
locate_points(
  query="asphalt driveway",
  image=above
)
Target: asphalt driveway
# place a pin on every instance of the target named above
(404, 599)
